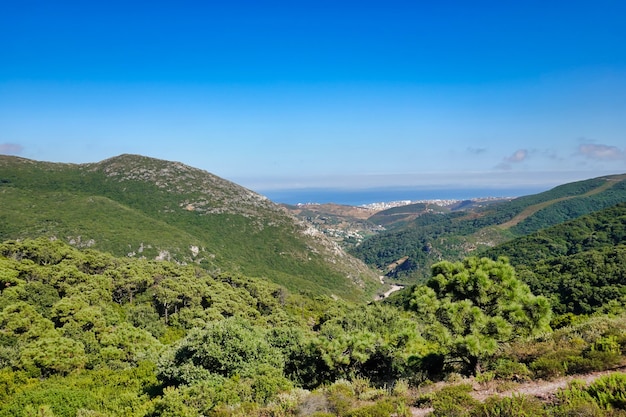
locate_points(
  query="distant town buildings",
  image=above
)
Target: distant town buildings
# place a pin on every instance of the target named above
(391, 204)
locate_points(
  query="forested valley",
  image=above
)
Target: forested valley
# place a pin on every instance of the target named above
(85, 333)
(137, 287)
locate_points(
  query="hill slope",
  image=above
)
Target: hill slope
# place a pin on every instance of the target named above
(431, 237)
(142, 207)
(580, 264)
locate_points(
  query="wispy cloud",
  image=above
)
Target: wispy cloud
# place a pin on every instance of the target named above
(518, 156)
(10, 149)
(601, 152)
(476, 151)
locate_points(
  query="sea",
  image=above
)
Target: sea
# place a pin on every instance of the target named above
(368, 196)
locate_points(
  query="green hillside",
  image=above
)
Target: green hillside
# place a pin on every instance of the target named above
(142, 207)
(431, 237)
(580, 264)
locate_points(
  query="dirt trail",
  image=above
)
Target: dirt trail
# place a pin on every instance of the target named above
(393, 289)
(544, 390)
(529, 211)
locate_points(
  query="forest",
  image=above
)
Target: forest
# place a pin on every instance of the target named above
(435, 236)
(85, 333)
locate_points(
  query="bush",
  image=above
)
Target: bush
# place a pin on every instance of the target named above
(511, 370)
(517, 405)
(63, 402)
(548, 367)
(341, 397)
(453, 401)
(380, 409)
(609, 391)
(576, 401)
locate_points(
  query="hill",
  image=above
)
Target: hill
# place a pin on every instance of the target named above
(433, 236)
(143, 207)
(580, 264)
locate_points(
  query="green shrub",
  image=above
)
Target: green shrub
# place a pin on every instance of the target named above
(63, 402)
(380, 409)
(596, 360)
(517, 405)
(548, 367)
(511, 370)
(453, 401)
(609, 391)
(576, 401)
(400, 388)
(403, 410)
(608, 344)
(340, 397)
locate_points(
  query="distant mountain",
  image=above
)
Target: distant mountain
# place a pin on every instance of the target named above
(143, 207)
(423, 237)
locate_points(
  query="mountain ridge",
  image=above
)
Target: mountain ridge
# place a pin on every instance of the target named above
(134, 205)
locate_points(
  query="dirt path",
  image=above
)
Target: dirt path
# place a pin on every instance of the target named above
(535, 208)
(544, 390)
(393, 289)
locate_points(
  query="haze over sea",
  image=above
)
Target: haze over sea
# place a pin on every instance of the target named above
(376, 195)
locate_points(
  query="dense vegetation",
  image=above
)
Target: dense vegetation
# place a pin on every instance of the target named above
(580, 265)
(433, 237)
(84, 333)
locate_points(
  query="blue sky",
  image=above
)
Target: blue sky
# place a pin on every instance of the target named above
(294, 94)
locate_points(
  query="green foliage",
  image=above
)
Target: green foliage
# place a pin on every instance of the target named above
(54, 401)
(374, 342)
(609, 391)
(380, 409)
(579, 264)
(229, 355)
(507, 369)
(53, 355)
(472, 307)
(20, 321)
(605, 393)
(606, 195)
(593, 344)
(453, 401)
(516, 405)
(80, 332)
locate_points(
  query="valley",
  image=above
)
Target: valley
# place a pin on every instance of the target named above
(145, 288)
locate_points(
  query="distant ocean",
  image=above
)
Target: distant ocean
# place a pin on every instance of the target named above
(368, 196)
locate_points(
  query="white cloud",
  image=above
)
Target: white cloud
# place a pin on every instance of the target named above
(10, 149)
(518, 156)
(601, 152)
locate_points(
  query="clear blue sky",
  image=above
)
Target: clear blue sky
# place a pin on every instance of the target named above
(295, 94)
